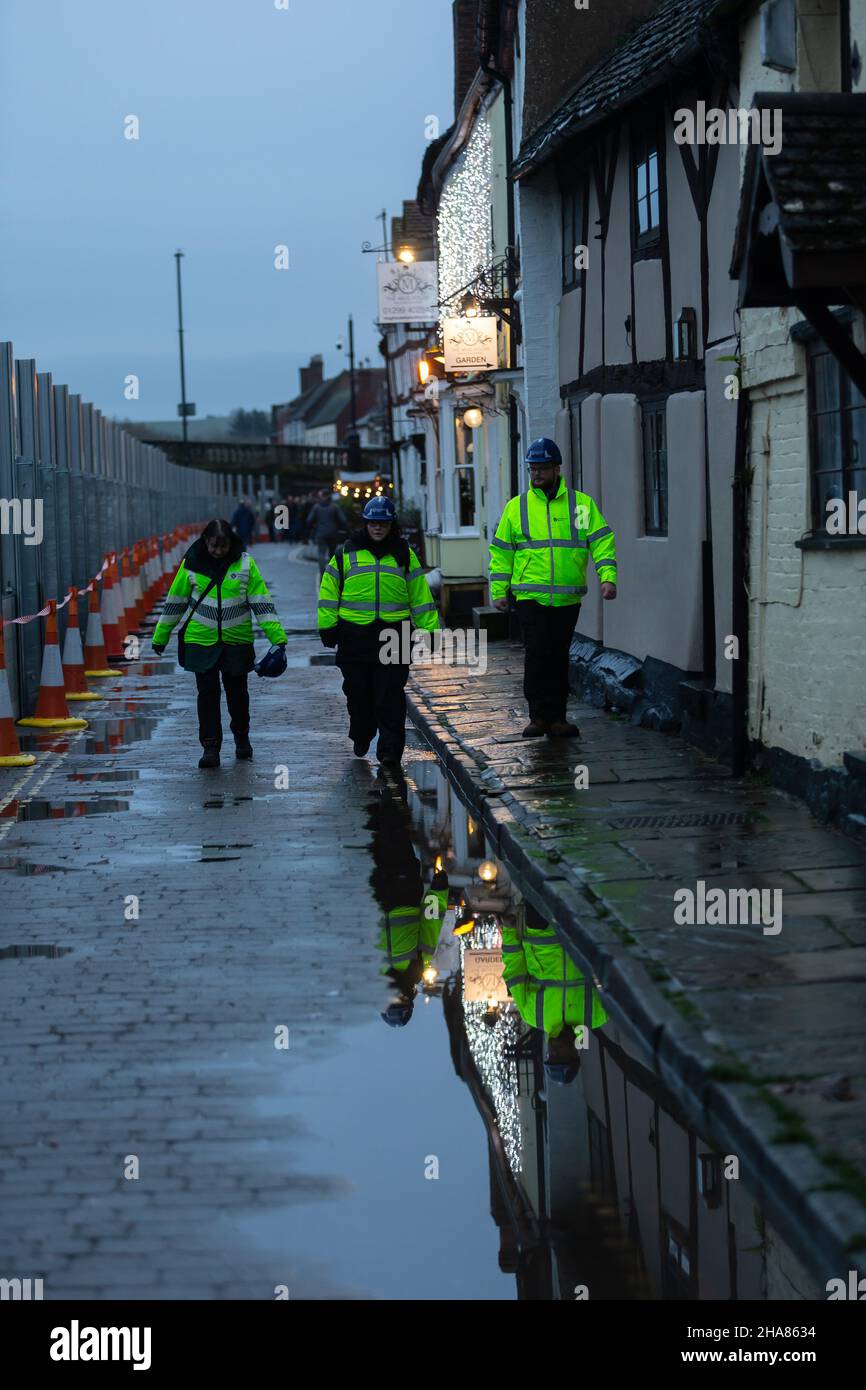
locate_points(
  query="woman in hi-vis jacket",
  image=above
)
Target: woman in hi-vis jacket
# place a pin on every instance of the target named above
(216, 594)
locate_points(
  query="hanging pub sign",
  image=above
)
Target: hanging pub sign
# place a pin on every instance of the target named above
(470, 344)
(408, 293)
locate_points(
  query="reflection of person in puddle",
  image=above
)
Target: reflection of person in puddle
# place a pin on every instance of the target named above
(412, 918)
(550, 993)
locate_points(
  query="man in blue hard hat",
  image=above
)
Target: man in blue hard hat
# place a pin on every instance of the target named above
(372, 589)
(539, 554)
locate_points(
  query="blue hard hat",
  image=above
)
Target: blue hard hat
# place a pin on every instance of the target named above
(563, 1073)
(273, 663)
(397, 1015)
(543, 451)
(380, 509)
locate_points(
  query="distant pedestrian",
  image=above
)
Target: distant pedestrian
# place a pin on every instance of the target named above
(371, 591)
(244, 522)
(217, 592)
(539, 554)
(326, 525)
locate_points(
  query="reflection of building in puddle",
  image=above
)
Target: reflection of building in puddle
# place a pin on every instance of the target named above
(602, 1184)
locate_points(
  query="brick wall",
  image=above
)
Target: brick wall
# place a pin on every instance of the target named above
(806, 667)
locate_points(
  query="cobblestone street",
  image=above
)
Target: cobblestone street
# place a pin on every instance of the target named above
(155, 1037)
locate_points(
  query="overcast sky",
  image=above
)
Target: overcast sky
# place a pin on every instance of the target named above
(258, 126)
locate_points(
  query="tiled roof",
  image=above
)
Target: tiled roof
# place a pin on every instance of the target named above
(818, 179)
(656, 48)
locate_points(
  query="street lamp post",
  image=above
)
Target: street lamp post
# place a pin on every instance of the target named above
(185, 410)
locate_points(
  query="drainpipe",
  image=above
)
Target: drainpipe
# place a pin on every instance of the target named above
(740, 536)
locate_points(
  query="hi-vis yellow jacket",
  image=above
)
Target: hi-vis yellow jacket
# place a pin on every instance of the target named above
(226, 614)
(410, 935)
(545, 983)
(359, 588)
(541, 547)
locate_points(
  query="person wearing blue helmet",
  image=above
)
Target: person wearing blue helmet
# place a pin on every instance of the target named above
(539, 555)
(373, 590)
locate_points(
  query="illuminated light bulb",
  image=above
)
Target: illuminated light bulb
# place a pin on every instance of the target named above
(473, 417)
(345, 491)
(488, 872)
(430, 974)
(423, 371)
(406, 255)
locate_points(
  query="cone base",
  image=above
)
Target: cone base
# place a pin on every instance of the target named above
(34, 723)
(18, 760)
(84, 695)
(102, 675)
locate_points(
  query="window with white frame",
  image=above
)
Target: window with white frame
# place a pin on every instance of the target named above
(465, 504)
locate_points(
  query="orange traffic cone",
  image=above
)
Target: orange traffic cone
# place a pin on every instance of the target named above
(52, 711)
(73, 657)
(110, 626)
(95, 658)
(10, 749)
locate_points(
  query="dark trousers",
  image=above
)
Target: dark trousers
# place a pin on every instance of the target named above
(210, 728)
(375, 695)
(547, 634)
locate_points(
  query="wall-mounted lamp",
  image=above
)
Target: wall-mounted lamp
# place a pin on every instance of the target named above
(473, 418)
(406, 255)
(686, 336)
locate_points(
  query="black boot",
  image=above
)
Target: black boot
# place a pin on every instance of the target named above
(211, 755)
(243, 749)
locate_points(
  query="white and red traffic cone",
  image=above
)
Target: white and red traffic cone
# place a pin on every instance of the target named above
(10, 749)
(52, 711)
(110, 630)
(95, 657)
(73, 657)
(127, 589)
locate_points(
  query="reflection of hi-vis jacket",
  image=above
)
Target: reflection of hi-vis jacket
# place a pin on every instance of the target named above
(410, 935)
(226, 614)
(544, 981)
(541, 547)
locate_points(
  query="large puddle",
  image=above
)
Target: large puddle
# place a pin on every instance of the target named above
(598, 1186)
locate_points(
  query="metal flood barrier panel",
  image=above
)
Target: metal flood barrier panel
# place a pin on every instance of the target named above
(74, 486)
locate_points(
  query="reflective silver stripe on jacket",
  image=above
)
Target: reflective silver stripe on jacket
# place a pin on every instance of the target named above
(599, 535)
(605, 564)
(365, 606)
(504, 545)
(550, 588)
(174, 607)
(423, 608)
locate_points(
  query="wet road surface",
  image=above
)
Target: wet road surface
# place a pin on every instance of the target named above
(166, 932)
